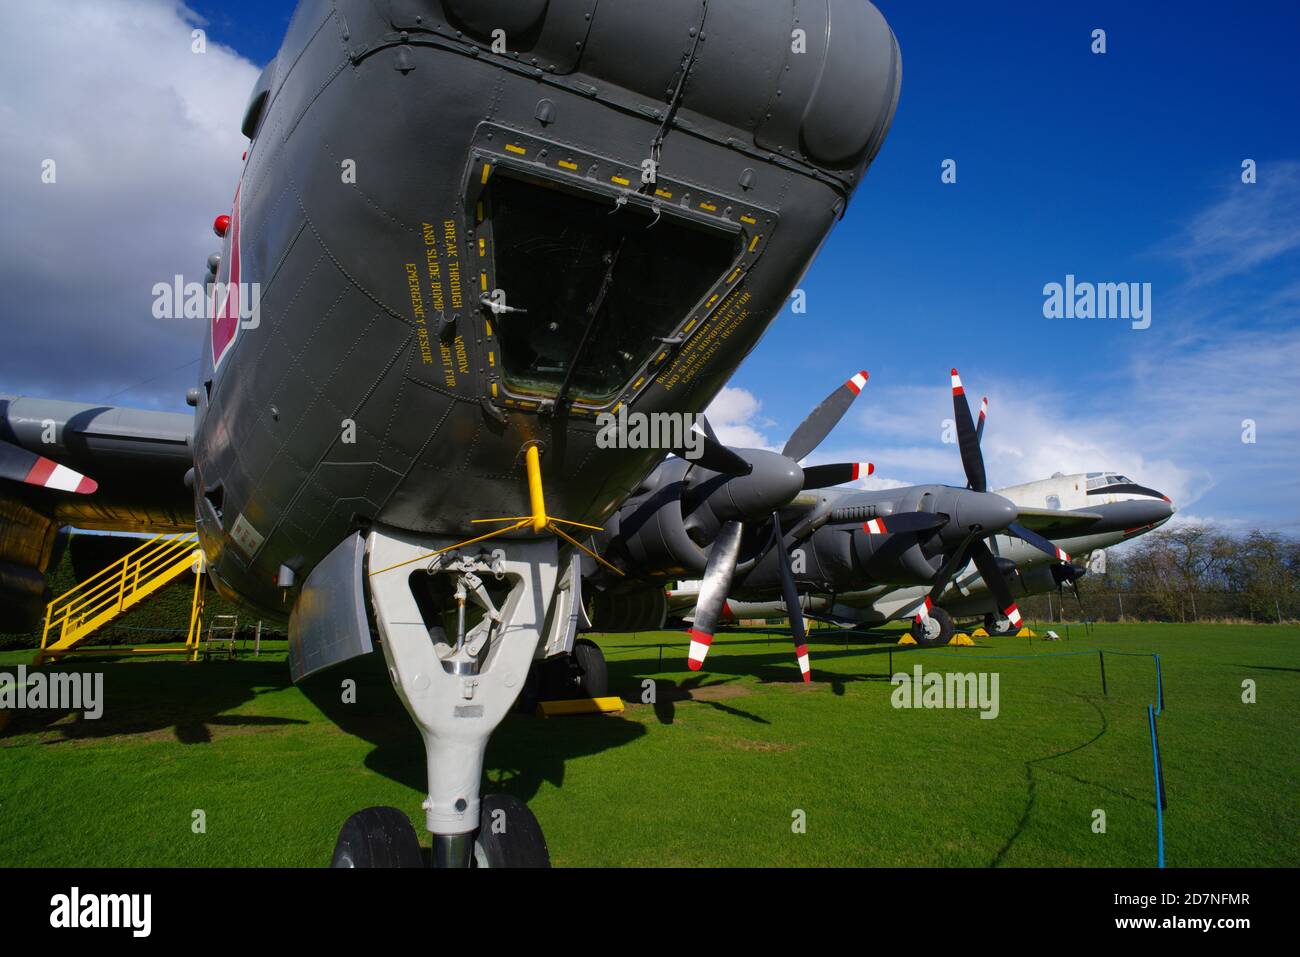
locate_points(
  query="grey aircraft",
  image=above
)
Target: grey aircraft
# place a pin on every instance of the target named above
(464, 228)
(778, 536)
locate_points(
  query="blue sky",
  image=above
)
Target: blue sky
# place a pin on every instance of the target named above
(1122, 167)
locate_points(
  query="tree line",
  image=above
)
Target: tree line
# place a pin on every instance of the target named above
(1188, 573)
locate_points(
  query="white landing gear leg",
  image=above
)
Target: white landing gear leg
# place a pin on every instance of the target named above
(458, 687)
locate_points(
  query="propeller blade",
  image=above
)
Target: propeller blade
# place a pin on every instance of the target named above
(824, 476)
(1038, 541)
(972, 460)
(18, 464)
(903, 522)
(1074, 587)
(713, 591)
(822, 419)
(791, 595)
(979, 422)
(996, 582)
(705, 427)
(716, 457)
(953, 563)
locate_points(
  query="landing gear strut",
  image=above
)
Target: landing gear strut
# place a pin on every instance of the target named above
(458, 688)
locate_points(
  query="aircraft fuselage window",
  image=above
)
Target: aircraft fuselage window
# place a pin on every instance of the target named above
(552, 250)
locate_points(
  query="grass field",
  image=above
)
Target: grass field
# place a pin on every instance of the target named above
(712, 773)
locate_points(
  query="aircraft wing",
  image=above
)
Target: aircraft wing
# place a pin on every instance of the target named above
(95, 467)
(1051, 523)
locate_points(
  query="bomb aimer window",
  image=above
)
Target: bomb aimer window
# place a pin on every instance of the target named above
(588, 279)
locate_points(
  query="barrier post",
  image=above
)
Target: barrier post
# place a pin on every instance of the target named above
(1101, 659)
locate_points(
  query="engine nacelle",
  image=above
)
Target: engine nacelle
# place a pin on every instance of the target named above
(647, 536)
(632, 609)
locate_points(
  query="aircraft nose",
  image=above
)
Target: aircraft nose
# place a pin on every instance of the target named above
(989, 511)
(1164, 510)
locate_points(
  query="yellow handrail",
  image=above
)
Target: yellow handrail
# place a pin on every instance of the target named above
(108, 589)
(85, 602)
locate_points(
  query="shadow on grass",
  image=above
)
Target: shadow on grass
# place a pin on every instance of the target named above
(1031, 797)
(776, 666)
(524, 753)
(147, 697)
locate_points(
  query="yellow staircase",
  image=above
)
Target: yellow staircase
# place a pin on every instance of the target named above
(79, 613)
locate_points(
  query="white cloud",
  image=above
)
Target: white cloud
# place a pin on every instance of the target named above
(1251, 225)
(735, 417)
(145, 135)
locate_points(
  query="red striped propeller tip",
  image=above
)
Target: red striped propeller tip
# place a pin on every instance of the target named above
(856, 382)
(50, 474)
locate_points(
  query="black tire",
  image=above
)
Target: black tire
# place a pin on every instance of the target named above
(996, 625)
(593, 675)
(939, 631)
(377, 837)
(509, 835)
(530, 693)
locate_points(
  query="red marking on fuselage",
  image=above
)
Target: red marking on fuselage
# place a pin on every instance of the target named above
(225, 310)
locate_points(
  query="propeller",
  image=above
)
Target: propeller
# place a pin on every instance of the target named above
(714, 456)
(755, 495)
(975, 549)
(19, 465)
(968, 439)
(824, 476)
(790, 593)
(713, 591)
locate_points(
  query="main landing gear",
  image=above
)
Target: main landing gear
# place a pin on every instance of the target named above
(935, 629)
(997, 625)
(457, 689)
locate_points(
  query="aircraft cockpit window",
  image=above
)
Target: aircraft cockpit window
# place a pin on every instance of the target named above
(1103, 480)
(583, 278)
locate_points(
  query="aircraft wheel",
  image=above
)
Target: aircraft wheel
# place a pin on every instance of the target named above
(509, 835)
(995, 625)
(531, 692)
(377, 837)
(593, 676)
(935, 630)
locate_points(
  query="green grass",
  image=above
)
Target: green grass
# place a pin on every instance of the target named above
(277, 768)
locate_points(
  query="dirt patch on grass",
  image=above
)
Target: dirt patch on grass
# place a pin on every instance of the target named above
(716, 692)
(69, 732)
(746, 744)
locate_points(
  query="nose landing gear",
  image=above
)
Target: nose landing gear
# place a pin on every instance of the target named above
(457, 691)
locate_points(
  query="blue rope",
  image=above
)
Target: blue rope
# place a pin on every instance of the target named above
(1160, 815)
